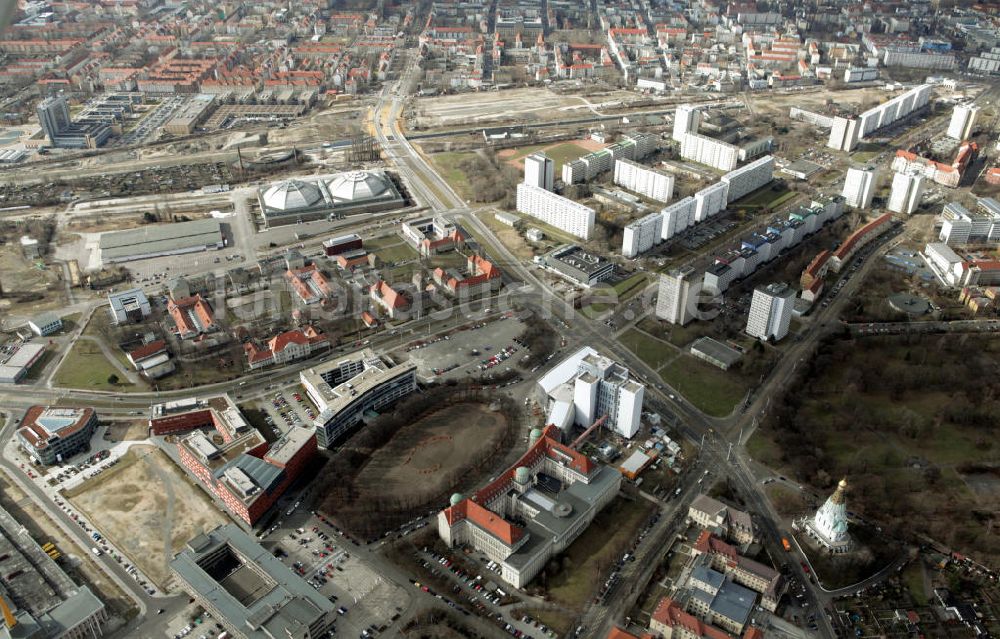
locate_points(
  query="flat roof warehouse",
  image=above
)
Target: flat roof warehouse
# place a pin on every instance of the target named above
(161, 239)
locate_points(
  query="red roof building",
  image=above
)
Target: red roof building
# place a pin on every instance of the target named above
(859, 238)
(483, 277)
(481, 520)
(309, 284)
(192, 316)
(669, 618)
(285, 347)
(395, 303)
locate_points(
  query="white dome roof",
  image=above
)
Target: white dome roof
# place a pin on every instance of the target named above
(292, 194)
(357, 185)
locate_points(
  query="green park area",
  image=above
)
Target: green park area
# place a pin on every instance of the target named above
(882, 411)
(86, 367)
(768, 198)
(448, 164)
(572, 578)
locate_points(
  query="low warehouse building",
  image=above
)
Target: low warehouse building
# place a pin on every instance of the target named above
(159, 240)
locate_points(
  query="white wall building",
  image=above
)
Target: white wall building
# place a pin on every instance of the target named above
(906, 191)
(946, 263)
(560, 212)
(844, 134)
(539, 170)
(859, 187)
(961, 226)
(642, 234)
(709, 201)
(709, 151)
(587, 386)
(963, 119)
(651, 183)
(687, 118)
(674, 302)
(770, 312)
(749, 178)
(677, 217)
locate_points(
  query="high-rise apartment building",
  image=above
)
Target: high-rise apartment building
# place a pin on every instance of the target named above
(770, 312)
(687, 118)
(906, 191)
(654, 184)
(674, 303)
(963, 119)
(859, 187)
(53, 116)
(560, 212)
(539, 170)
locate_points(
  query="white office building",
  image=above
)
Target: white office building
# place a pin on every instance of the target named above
(960, 226)
(687, 118)
(844, 134)
(539, 170)
(770, 312)
(642, 234)
(859, 187)
(651, 183)
(749, 178)
(560, 212)
(677, 217)
(709, 201)
(709, 151)
(586, 387)
(674, 301)
(906, 191)
(963, 119)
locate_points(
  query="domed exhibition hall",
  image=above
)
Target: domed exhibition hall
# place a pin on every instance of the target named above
(317, 197)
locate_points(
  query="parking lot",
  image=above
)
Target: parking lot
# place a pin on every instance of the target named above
(367, 604)
(288, 408)
(480, 348)
(477, 587)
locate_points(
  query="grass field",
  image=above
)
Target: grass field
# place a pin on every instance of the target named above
(397, 253)
(650, 350)
(714, 391)
(86, 367)
(447, 164)
(578, 577)
(560, 153)
(764, 198)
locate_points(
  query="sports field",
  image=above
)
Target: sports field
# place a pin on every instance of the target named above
(560, 152)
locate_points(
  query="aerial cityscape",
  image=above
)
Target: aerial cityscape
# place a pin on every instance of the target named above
(543, 319)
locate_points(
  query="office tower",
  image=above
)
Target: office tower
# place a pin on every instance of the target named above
(963, 119)
(53, 115)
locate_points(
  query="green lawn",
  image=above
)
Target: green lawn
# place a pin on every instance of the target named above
(630, 286)
(714, 391)
(447, 164)
(650, 350)
(766, 197)
(560, 153)
(913, 577)
(579, 568)
(86, 367)
(400, 252)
